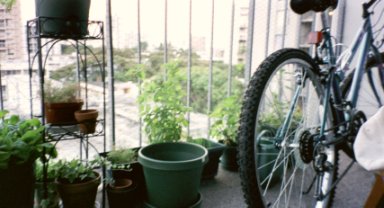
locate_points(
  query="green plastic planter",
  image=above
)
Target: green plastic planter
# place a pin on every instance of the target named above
(229, 159)
(268, 154)
(172, 173)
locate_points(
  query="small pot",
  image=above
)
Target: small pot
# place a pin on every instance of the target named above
(87, 120)
(123, 193)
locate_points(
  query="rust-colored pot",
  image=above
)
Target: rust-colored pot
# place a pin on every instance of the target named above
(61, 113)
(87, 120)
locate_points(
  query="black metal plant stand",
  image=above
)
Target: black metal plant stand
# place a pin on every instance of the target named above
(42, 40)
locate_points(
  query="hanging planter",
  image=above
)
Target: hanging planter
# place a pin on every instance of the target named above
(63, 17)
(87, 120)
(172, 173)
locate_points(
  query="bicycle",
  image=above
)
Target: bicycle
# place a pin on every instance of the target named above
(299, 111)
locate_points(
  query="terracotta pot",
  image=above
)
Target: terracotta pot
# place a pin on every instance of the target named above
(87, 120)
(61, 113)
(78, 195)
(123, 193)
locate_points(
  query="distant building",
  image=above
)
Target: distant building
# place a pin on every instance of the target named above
(11, 33)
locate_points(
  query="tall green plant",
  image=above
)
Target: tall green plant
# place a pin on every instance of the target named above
(226, 120)
(162, 107)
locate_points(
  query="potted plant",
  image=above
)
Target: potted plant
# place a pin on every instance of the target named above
(224, 128)
(124, 179)
(172, 169)
(87, 120)
(67, 18)
(45, 187)
(21, 143)
(215, 150)
(61, 103)
(77, 183)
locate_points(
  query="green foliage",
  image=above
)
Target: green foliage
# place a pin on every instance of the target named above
(7, 3)
(201, 141)
(22, 140)
(66, 93)
(121, 158)
(162, 107)
(199, 87)
(52, 169)
(274, 116)
(75, 171)
(226, 120)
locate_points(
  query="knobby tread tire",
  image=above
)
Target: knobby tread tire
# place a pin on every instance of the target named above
(246, 130)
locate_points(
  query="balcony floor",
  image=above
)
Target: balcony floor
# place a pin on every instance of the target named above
(224, 191)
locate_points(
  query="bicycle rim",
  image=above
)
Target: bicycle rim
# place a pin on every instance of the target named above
(274, 163)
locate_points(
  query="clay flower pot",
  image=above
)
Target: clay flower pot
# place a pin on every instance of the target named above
(87, 120)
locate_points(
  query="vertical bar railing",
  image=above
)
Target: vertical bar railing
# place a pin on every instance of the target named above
(267, 28)
(139, 62)
(189, 67)
(110, 71)
(209, 104)
(248, 63)
(230, 67)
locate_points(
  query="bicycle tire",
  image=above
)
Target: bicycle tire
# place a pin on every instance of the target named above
(251, 132)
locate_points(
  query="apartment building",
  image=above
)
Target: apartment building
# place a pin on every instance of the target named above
(11, 33)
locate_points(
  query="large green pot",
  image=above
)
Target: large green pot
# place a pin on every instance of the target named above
(172, 173)
(17, 184)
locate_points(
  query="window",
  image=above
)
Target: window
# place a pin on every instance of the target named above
(2, 43)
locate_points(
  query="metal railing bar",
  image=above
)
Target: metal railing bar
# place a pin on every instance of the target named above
(110, 70)
(139, 62)
(248, 62)
(209, 104)
(230, 68)
(189, 67)
(267, 28)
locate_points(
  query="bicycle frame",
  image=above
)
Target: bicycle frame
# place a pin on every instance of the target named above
(362, 46)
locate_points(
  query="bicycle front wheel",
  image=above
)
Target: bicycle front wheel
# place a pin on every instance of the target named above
(281, 112)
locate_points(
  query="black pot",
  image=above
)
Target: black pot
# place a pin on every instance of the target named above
(60, 18)
(229, 159)
(17, 186)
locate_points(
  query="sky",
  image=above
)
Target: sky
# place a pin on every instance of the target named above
(124, 14)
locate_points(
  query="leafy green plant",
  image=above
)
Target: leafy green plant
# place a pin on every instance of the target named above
(75, 171)
(66, 93)
(273, 117)
(226, 120)
(162, 107)
(22, 140)
(121, 158)
(52, 197)
(52, 169)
